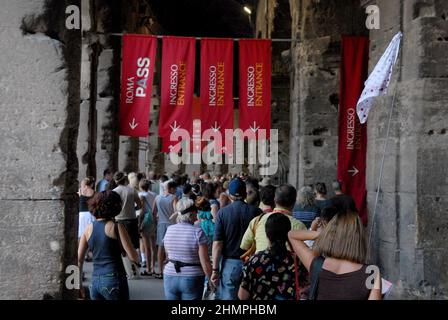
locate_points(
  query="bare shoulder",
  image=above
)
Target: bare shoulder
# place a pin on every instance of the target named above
(109, 229)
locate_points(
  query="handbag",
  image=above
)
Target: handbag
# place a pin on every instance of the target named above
(253, 247)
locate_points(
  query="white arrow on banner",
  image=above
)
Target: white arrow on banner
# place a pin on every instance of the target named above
(216, 127)
(354, 171)
(174, 127)
(133, 125)
(254, 128)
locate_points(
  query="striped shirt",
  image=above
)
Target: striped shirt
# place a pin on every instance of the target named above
(182, 243)
(306, 214)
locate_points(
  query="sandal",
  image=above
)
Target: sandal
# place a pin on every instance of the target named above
(146, 273)
(158, 275)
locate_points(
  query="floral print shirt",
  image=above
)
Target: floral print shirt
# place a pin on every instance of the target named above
(268, 277)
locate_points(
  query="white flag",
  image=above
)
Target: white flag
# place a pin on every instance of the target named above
(379, 79)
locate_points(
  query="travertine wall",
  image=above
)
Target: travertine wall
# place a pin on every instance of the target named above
(412, 220)
(39, 103)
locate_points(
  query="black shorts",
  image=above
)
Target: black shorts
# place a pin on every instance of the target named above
(131, 226)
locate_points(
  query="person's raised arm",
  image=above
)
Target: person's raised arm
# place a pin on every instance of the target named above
(127, 244)
(305, 254)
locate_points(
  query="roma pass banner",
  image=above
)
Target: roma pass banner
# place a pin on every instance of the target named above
(352, 146)
(217, 85)
(177, 87)
(137, 73)
(255, 85)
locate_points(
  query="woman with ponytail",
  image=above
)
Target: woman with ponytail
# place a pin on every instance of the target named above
(269, 274)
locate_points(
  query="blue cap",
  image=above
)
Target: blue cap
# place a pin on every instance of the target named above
(237, 188)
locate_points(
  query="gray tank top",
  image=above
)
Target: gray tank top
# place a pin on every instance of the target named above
(165, 207)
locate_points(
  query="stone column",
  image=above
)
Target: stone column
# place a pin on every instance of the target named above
(39, 86)
(410, 227)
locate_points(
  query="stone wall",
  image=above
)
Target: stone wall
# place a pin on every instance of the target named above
(409, 239)
(410, 235)
(39, 90)
(315, 60)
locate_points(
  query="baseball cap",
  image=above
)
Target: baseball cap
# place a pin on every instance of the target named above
(237, 188)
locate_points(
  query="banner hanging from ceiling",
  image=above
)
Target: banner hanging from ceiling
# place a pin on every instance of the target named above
(255, 85)
(217, 84)
(177, 87)
(352, 148)
(137, 73)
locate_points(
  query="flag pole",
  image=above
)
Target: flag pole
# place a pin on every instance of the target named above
(380, 177)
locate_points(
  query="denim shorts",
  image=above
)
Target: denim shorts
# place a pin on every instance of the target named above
(112, 286)
(183, 287)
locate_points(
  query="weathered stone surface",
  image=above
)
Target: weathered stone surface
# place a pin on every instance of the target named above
(39, 89)
(412, 215)
(105, 70)
(83, 139)
(106, 129)
(31, 244)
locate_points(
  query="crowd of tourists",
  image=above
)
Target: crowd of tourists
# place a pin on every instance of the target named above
(225, 237)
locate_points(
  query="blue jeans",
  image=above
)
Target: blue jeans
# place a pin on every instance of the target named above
(230, 280)
(109, 287)
(183, 287)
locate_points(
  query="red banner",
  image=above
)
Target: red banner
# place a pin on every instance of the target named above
(255, 85)
(137, 70)
(217, 84)
(177, 87)
(352, 135)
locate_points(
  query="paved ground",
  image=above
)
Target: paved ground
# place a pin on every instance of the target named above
(145, 288)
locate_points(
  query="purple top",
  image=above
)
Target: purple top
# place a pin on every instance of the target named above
(182, 243)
